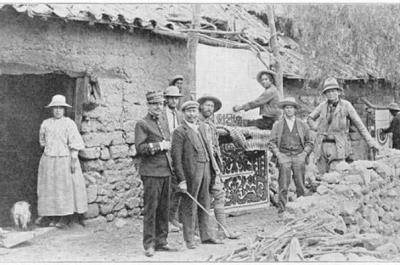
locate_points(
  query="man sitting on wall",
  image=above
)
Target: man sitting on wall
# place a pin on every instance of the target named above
(152, 140)
(193, 163)
(267, 102)
(291, 143)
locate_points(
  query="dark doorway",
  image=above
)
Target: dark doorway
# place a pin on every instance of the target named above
(22, 101)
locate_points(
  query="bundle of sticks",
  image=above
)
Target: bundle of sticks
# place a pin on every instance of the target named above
(299, 240)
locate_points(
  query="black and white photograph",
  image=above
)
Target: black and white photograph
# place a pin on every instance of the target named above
(199, 132)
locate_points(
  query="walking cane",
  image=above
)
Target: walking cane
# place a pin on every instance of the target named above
(205, 210)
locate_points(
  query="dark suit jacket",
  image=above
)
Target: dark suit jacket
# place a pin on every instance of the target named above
(185, 151)
(303, 130)
(154, 162)
(395, 129)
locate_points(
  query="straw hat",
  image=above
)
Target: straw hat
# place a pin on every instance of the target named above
(331, 83)
(189, 105)
(58, 101)
(172, 91)
(289, 101)
(394, 106)
(217, 102)
(268, 72)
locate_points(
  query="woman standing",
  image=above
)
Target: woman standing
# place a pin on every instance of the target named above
(61, 186)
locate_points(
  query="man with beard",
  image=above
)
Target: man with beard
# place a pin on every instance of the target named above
(208, 106)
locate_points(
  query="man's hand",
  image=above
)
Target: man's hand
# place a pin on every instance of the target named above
(165, 145)
(74, 161)
(182, 185)
(236, 108)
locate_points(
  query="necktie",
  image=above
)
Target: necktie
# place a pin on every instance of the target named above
(174, 118)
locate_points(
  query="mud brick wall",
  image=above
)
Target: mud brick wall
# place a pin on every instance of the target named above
(127, 66)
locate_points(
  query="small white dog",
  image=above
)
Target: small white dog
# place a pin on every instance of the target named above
(21, 214)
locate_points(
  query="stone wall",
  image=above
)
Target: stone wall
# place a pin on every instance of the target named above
(127, 65)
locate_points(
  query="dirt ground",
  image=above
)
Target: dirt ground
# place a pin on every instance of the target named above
(105, 242)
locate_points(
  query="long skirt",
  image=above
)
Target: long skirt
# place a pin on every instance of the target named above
(59, 191)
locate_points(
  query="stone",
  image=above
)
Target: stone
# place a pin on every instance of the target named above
(388, 248)
(132, 150)
(331, 177)
(132, 203)
(129, 126)
(117, 138)
(366, 176)
(342, 167)
(90, 153)
(322, 189)
(352, 257)
(371, 216)
(93, 211)
(91, 191)
(372, 240)
(349, 208)
(119, 186)
(12, 239)
(353, 179)
(130, 137)
(349, 220)
(92, 176)
(90, 125)
(342, 189)
(391, 193)
(384, 170)
(96, 139)
(117, 151)
(126, 164)
(119, 223)
(114, 176)
(119, 206)
(104, 190)
(106, 209)
(96, 222)
(363, 224)
(123, 213)
(396, 215)
(93, 165)
(105, 154)
(110, 217)
(332, 257)
(356, 189)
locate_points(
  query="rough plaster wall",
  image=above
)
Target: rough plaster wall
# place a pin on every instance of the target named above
(378, 93)
(109, 160)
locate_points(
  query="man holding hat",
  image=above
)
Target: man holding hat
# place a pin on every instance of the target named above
(174, 119)
(208, 106)
(394, 127)
(330, 120)
(177, 81)
(152, 140)
(291, 143)
(267, 102)
(194, 163)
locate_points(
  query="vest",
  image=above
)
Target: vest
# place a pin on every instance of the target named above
(290, 141)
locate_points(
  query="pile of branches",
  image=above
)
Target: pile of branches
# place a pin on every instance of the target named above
(300, 240)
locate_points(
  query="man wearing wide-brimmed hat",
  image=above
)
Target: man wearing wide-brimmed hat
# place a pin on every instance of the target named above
(394, 127)
(208, 106)
(291, 143)
(193, 162)
(267, 102)
(152, 141)
(174, 119)
(177, 81)
(330, 120)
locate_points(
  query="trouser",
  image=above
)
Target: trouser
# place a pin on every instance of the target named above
(289, 164)
(328, 157)
(198, 186)
(156, 210)
(175, 200)
(218, 196)
(265, 123)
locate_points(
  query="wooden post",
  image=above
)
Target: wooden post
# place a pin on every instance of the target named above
(275, 50)
(193, 39)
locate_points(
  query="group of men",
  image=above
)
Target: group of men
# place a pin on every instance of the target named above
(180, 169)
(183, 149)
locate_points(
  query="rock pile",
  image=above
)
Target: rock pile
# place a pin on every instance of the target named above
(358, 207)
